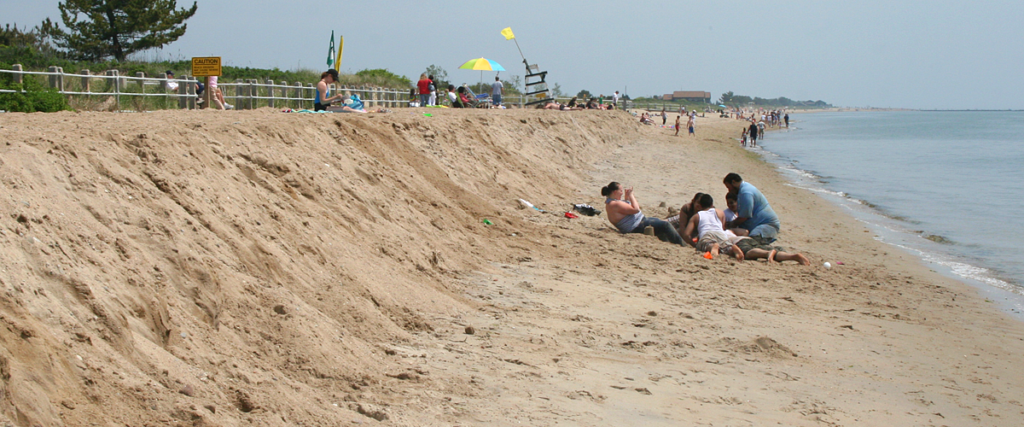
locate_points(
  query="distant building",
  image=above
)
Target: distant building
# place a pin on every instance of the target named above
(689, 95)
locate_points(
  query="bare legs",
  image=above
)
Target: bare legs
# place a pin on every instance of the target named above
(777, 256)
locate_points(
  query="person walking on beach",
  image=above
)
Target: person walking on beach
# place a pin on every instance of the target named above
(615, 100)
(424, 90)
(497, 89)
(678, 124)
(753, 213)
(753, 134)
(664, 117)
(689, 125)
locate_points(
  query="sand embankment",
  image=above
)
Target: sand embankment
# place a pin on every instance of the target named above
(230, 268)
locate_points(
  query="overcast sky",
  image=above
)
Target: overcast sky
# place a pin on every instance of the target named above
(884, 53)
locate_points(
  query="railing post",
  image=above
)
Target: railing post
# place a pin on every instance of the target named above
(17, 73)
(86, 80)
(254, 91)
(241, 94)
(284, 93)
(142, 83)
(53, 77)
(270, 93)
(183, 94)
(297, 92)
(114, 82)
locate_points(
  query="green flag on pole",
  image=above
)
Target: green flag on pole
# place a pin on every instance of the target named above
(330, 51)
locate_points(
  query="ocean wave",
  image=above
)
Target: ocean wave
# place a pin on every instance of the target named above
(965, 270)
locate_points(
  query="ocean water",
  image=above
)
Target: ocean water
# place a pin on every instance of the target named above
(946, 186)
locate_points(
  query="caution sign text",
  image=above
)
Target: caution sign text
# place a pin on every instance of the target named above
(206, 66)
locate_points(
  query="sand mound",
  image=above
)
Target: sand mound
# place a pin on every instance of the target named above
(259, 266)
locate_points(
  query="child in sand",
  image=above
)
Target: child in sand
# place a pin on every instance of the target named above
(707, 224)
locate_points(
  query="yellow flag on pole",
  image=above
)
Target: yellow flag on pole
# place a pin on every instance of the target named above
(341, 47)
(508, 33)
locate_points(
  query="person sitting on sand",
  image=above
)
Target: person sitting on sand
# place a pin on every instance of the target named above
(323, 94)
(686, 211)
(626, 216)
(730, 214)
(592, 104)
(464, 98)
(753, 212)
(707, 225)
(572, 105)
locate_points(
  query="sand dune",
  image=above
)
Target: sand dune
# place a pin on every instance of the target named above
(237, 268)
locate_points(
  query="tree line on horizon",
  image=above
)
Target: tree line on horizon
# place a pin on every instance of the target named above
(731, 99)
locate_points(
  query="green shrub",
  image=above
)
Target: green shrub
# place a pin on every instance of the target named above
(35, 98)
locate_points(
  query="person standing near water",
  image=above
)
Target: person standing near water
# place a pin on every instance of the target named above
(787, 120)
(753, 134)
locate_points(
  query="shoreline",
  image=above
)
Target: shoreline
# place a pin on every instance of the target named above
(898, 232)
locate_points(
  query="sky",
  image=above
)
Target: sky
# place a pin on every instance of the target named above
(862, 53)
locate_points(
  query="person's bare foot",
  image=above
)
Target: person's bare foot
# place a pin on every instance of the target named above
(771, 256)
(802, 259)
(739, 254)
(714, 250)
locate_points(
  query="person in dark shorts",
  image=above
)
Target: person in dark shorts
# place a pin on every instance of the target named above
(786, 117)
(753, 248)
(753, 134)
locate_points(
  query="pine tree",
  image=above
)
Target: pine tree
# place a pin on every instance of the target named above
(99, 29)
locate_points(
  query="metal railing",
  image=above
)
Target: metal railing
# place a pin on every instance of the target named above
(244, 94)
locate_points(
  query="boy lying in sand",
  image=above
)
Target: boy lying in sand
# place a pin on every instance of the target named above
(712, 236)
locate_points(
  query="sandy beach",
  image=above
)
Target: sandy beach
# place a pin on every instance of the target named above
(260, 268)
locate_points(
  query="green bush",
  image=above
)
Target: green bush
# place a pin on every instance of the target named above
(35, 98)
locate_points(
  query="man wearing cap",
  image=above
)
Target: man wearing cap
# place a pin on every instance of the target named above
(171, 83)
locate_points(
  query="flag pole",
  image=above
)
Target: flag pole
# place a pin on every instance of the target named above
(520, 50)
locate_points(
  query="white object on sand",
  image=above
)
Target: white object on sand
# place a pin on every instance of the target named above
(828, 265)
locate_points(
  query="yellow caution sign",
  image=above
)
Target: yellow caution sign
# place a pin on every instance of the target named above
(206, 66)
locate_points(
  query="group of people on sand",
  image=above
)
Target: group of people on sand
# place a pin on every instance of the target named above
(573, 104)
(745, 231)
(768, 119)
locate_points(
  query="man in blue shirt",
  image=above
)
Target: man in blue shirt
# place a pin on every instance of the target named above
(753, 212)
